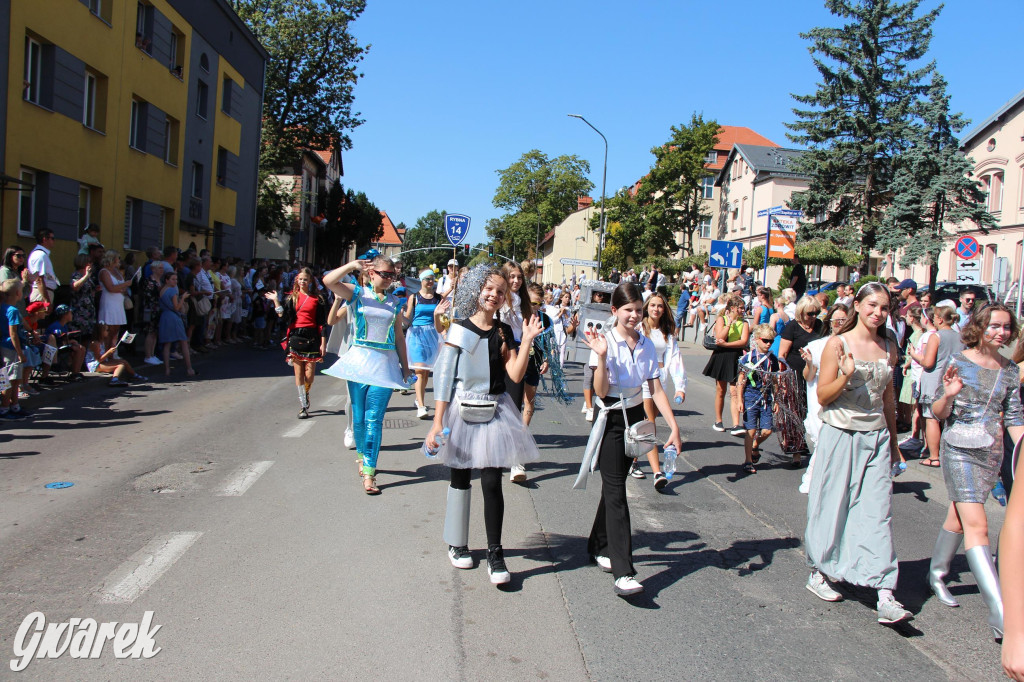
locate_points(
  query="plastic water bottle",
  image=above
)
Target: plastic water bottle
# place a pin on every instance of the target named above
(442, 438)
(999, 492)
(679, 400)
(670, 460)
(898, 468)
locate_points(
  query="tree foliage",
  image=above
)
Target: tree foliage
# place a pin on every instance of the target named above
(932, 186)
(273, 201)
(538, 193)
(671, 194)
(427, 232)
(350, 219)
(811, 252)
(857, 123)
(310, 76)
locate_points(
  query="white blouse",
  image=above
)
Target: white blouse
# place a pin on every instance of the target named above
(628, 369)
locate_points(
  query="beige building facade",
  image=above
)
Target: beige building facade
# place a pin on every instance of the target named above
(996, 148)
(572, 239)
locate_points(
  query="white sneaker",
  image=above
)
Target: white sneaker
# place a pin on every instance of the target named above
(153, 360)
(818, 586)
(603, 562)
(350, 439)
(627, 585)
(460, 557)
(891, 611)
(590, 414)
(518, 474)
(583, 408)
(421, 412)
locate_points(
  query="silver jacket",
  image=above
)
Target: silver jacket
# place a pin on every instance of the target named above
(463, 365)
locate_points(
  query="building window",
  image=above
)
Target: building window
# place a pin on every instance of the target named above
(89, 103)
(712, 157)
(163, 225)
(144, 28)
(204, 62)
(170, 141)
(197, 180)
(705, 228)
(135, 132)
(708, 185)
(202, 97)
(222, 166)
(84, 207)
(27, 202)
(33, 70)
(992, 184)
(225, 104)
(172, 56)
(96, 7)
(129, 219)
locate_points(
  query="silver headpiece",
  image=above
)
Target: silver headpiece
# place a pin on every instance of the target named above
(467, 293)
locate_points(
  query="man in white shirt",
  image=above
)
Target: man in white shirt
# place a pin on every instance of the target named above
(845, 297)
(41, 267)
(966, 308)
(448, 278)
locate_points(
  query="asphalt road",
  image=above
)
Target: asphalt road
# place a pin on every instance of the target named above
(245, 531)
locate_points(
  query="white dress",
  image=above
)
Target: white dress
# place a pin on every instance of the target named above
(371, 358)
(111, 310)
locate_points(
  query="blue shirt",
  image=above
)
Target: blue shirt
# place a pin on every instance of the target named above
(12, 318)
(57, 329)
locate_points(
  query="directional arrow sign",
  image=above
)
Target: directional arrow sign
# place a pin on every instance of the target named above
(725, 254)
(782, 237)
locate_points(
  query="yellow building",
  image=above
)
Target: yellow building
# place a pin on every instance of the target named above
(142, 116)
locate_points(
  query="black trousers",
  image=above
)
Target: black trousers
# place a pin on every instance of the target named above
(494, 499)
(1006, 469)
(611, 535)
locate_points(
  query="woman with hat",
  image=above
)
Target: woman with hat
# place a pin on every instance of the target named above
(424, 336)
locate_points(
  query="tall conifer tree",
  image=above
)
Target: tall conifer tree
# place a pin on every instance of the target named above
(857, 122)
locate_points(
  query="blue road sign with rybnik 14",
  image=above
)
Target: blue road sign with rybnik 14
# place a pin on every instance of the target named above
(456, 227)
(726, 254)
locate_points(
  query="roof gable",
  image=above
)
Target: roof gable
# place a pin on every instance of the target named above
(390, 234)
(764, 160)
(968, 139)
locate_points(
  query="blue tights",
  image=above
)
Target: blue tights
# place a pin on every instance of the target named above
(369, 403)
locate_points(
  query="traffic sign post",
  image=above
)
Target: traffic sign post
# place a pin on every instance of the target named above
(968, 271)
(780, 235)
(456, 227)
(967, 248)
(725, 254)
(578, 262)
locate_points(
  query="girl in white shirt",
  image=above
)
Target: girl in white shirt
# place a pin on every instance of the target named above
(623, 361)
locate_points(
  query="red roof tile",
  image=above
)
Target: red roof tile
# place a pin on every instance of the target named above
(733, 135)
(390, 235)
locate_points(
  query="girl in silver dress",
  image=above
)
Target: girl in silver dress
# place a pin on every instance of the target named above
(849, 506)
(978, 398)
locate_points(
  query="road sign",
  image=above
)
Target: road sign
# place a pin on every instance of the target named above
(778, 210)
(456, 227)
(968, 271)
(782, 235)
(967, 247)
(578, 262)
(726, 254)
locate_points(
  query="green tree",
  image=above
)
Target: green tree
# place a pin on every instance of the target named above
(538, 194)
(427, 232)
(671, 195)
(350, 219)
(932, 187)
(856, 124)
(312, 71)
(273, 201)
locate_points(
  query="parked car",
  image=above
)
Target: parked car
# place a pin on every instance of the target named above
(816, 285)
(952, 291)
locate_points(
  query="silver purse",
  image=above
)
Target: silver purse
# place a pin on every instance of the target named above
(477, 411)
(640, 437)
(972, 436)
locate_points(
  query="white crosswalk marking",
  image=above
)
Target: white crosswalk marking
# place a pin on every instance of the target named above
(299, 429)
(244, 478)
(138, 573)
(334, 401)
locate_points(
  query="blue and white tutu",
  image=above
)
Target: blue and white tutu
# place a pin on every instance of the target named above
(369, 366)
(423, 343)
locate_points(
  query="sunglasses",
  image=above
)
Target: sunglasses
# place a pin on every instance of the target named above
(17, 255)
(386, 274)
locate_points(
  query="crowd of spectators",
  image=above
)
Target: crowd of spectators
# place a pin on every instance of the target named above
(126, 315)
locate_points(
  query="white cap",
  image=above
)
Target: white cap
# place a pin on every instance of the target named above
(453, 262)
(946, 303)
(750, 271)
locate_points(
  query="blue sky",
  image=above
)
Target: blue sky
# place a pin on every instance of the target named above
(454, 91)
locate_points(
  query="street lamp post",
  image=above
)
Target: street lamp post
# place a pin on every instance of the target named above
(604, 178)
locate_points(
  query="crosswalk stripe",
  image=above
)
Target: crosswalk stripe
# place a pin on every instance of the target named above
(142, 569)
(244, 478)
(299, 429)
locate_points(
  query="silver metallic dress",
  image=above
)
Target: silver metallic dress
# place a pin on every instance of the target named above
(972, 439)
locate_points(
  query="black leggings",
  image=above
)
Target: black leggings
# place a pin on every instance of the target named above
(494, 501)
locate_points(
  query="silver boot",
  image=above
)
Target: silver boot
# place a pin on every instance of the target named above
(984, 569)
(946, 547)
(456, 518)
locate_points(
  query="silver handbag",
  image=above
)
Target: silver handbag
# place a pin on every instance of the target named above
(640, 437)
(477, 411)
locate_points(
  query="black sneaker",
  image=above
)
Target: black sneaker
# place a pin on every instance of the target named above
(738, 431)
(460, 557)
(718, 426)
(496, 567)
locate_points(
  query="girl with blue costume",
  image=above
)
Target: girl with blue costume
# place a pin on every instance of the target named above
(424, 336)
(376, 362)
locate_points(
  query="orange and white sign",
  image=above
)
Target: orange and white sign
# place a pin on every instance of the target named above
(782, 236)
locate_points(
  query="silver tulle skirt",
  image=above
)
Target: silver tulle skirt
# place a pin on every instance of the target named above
(502, 442)
(369, 366)
(423, 343)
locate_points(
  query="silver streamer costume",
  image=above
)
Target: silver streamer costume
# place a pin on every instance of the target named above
(970, 473)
